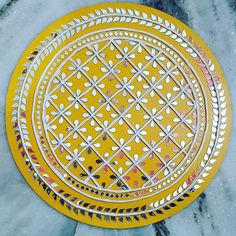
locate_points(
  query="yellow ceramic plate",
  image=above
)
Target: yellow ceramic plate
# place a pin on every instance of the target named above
(118, 115)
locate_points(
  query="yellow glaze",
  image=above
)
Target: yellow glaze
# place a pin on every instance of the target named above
(118, 115)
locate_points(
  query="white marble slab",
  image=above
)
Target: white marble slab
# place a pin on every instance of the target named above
(22, 212)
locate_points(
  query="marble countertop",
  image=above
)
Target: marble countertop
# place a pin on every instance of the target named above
(22, 212)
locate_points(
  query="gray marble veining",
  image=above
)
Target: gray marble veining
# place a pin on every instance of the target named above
(22, 212)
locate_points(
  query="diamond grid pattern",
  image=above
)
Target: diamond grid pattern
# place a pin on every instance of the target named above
(108, 101)
(79, 69)
(70, 152)
(131, 125)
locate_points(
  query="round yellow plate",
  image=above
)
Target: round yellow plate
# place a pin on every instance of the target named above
(118, 115)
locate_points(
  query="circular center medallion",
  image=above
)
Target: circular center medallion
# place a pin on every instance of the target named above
(121, 115)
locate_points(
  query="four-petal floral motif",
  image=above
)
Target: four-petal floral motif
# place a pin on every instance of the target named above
(78, 99)
(169, 101)
(60, 142)
(134, 161)
(137, 132)
(108, 100)
(94, 83)
(90, 145)
(125, 85)
(110, 70)
(167, 133)
(105, 128)
(95, 53)
(150, 57)
(139, 100)
(78, 66)
(92, 115)
(75, 156)
(121, 146)
(120, 117)
(50, 98)
(151, 148)
(152, 117)
(61, 113)
(62, 82)
(140, 71)
(183, 89)
(76, 126)
(125, 52)
(151, 88)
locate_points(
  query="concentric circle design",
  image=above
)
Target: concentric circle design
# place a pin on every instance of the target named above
(118, 115)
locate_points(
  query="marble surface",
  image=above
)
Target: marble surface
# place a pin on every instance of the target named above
(22, 212)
